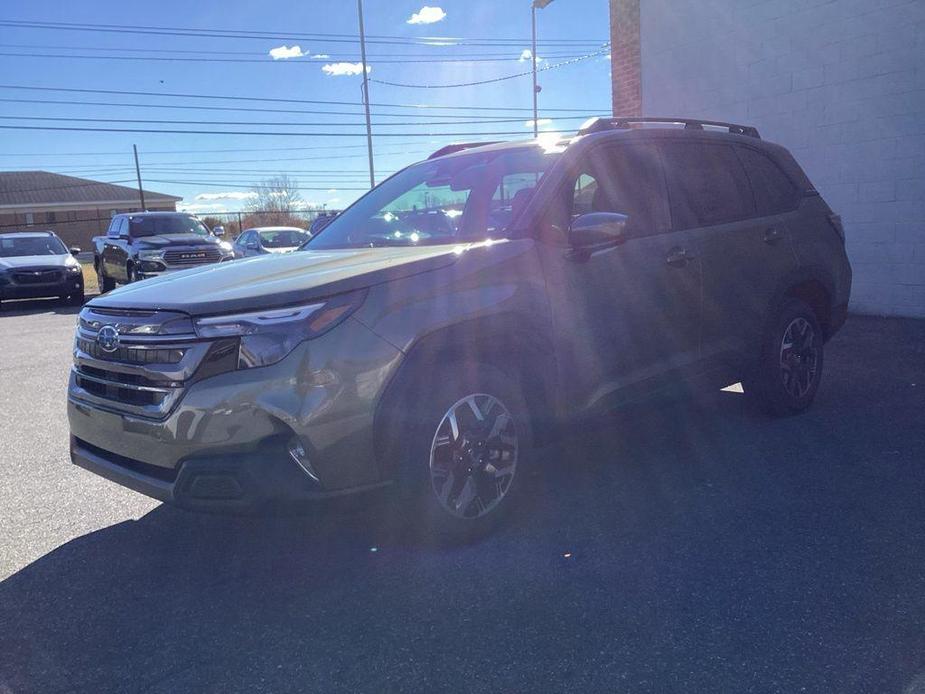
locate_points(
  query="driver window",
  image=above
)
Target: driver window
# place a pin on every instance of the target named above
(626, 179)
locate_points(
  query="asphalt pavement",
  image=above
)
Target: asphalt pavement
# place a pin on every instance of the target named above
(679, 546)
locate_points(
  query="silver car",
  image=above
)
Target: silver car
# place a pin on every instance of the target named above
(263, 240)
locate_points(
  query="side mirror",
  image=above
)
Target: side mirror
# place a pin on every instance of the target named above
(218, 231)
(73, 250)
(597, 230)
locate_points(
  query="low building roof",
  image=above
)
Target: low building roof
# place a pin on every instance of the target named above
(34, 188)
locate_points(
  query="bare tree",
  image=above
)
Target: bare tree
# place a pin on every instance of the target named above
(276, 198)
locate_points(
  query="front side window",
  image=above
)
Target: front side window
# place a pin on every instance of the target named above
(462, 198)
(626, 179)
(11, 246)
(140, 227)
(707, 184)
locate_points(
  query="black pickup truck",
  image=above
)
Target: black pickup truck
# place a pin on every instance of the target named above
(146, 244)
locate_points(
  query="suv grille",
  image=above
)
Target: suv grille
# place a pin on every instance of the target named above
(145, 373)
(192, 256)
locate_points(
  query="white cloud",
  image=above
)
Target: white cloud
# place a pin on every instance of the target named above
(194, 208)
(321, 56)
(338, 69)
(427, 15)
(539, 122)
(226, 195)
(526, 54)
(285, 52)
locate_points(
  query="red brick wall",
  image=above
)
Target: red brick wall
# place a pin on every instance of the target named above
(625, 57)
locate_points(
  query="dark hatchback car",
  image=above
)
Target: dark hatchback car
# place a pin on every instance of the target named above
(457, 313)
(36, 264)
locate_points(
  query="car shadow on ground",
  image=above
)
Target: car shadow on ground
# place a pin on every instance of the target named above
(685, 545)
(20, 307)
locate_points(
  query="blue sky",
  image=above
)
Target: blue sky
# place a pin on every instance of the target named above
(326, 167)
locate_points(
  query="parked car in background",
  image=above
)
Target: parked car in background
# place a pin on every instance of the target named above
(35, 264)
(459, 311)
(263, 240)
(148, 244)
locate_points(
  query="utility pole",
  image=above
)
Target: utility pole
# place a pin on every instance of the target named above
(141, 192)
(369, 127)
(535, 5)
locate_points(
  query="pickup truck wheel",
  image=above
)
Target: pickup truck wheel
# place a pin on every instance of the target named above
(106, 284)
(790, 365)
(462, 455)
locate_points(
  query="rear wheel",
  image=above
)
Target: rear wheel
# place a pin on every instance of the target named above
(463, 455)
(790, 365)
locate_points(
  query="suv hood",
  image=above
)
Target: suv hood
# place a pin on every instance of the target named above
(8, 263)
(276, 279)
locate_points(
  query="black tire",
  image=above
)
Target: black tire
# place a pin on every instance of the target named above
(786, 378)
(77, 298)
(107, 284)
(472, 456)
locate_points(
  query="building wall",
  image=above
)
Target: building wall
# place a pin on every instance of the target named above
(625, 58)
(841, 83)
(75, 226)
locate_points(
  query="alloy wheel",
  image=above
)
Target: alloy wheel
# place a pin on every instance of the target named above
(473, 456)
(799, 357)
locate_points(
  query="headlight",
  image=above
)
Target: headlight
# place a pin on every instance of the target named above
(74, 269)
(265, 337)
(151, 255)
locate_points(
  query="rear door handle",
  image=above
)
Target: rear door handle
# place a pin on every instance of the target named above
(772, 235)
(678, 257)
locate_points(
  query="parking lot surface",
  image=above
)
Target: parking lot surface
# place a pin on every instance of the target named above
(678, 546)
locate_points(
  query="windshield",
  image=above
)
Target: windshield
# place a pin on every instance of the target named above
(461, 198)
(282, 238)
(11, 246)
(155, 226)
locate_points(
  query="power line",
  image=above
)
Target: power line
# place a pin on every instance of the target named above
(263, 35)
(266, 60)
(259, 133)
(579, 59)
(291, 101)
(337, 124)
(244, 185)
(472, 117)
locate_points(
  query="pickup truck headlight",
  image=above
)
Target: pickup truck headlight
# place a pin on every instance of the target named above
(157, 255)
(265, 337)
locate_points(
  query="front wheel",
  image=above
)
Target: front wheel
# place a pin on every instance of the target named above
(789, 370)
(106, 284)
(463, 455)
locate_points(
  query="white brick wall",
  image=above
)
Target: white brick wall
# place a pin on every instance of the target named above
(841, 83)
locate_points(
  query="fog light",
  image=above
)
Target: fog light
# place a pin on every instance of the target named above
(298, 454)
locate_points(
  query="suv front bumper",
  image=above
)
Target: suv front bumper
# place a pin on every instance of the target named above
(226, 443)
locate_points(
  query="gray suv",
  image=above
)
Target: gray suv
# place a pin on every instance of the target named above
(433, 332)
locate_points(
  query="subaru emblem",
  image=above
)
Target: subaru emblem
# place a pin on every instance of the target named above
(108, 338)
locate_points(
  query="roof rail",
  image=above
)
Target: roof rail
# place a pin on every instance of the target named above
(599, 124)
(459, 147)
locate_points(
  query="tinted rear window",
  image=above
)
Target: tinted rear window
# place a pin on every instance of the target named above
(707, 184)
(774, 191)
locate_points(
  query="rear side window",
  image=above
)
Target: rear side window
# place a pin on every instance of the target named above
(707, 184)
(774, 191)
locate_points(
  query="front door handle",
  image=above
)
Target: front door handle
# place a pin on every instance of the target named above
(678, 257)
(772, 235)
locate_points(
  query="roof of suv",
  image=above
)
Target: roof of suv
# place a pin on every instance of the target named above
(155, 214)
(28, 234)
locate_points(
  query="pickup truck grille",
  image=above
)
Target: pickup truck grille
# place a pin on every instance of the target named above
(141, 372)
(192, 256)
(51, 276)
